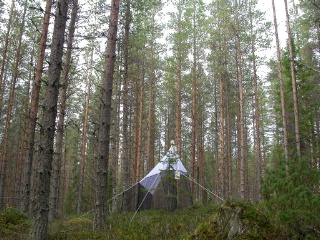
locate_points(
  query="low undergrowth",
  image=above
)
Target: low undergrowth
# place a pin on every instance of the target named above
(231, 220)
(142, 225)
(14, 224)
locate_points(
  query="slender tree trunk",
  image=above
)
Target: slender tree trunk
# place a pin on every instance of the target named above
(241, 111)
(150, 133)
(216, 179)
(84, 135)
(4, 59)
(23, 135)
(294, 82)
(140, 122)
(257, 162)
(178, 94)
(34, 105)
(22, 144)
(201, 162)
(116, 143)
(283, 104)
(194, 110)
(66, 175)
(229, 145)
(125, 151)
(47, 127)
(222, 134)
(6, 134)
(102, 155)
(55, 177)
(135, 127)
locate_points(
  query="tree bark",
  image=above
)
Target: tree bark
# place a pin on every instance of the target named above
(294, 83)
(102, 155)
(6, 134)
(47, 127)
(241, 109)
(222, 134)
(34, 105)
(257, 162)
(116, 142)
(283, 104)
(178, 94)
(125, 151)
(139, 136)
(4, 57)
(150, 133)
(84, 134)
(23, 139)
(55, 177)
(194, 108)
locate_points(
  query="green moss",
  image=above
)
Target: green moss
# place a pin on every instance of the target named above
(255, 224)
(14, 224)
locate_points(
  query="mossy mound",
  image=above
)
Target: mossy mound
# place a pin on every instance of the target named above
(14, 224)
(237, 220)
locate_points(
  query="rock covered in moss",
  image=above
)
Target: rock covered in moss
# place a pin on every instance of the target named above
(237, 220)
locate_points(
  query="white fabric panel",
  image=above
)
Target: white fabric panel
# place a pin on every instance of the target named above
(163, 165)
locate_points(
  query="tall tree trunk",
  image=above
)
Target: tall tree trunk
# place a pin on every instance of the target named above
(135, 127)
(34, 105)
(194, 108)
(222, 134)
(257, 162)
(6, 134)
(102, 155)
(150, 133)
(178, 94)
(116, 143)
(23, 136)
(140, 127)
(4, 57)
(23, 140)
(229, 145)
(283, 104)
(216, 180)
(125, 151)
(200, 150)
(241, 134)
(55, 177)
(294, 82)
(84, 134)
(47, 127)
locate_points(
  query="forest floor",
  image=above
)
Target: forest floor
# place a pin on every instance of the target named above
(231, 220)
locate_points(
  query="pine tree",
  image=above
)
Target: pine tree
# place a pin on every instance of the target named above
(102, 155)
(45, 154)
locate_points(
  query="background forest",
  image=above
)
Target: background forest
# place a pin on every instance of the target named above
(242, 109)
